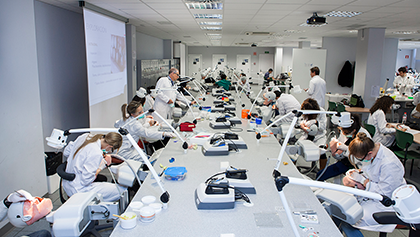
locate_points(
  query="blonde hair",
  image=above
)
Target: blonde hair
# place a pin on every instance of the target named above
(130, 109)
(360, 145)
(114, 139)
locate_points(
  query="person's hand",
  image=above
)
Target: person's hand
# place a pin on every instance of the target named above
(152, 122)
(170, 101)
(169, 134)
(306, 89)
(390, 125)
(149, 116)
(342, 147)
(19, 196)
(193, 102)
(333, 145)
(347, 181)
(108, 159)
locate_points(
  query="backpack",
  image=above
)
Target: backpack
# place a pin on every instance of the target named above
(356, 101)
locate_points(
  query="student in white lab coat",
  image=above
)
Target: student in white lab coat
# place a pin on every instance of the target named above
(286, 103)
(319, 120)
(382, 173)
(137, 129)
(85, 155)
(165, 99)
(244, 84)
(317, 87)
(384, 132)
(403, 82)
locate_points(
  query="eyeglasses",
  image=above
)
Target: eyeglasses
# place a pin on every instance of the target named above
(364, 157)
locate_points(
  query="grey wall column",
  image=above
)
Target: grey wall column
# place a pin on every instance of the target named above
(370, 46)
(168, 52)
(131, 61)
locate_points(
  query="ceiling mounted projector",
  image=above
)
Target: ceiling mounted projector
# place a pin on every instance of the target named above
(254, 45)
(316, 20)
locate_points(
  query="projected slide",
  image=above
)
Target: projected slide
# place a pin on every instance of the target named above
(105, 55)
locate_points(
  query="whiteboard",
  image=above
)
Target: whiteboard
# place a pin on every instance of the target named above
(303, 61)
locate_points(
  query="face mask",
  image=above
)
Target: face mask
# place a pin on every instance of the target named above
(142, 116)
(349, 136)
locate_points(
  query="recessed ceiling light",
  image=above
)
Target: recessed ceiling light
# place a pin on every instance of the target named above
(214, 37)
(213, 34)
(201, 5)
(342, 14)
(211, 23)
(404, 32)
(352, 31)
(311, 25)
(208, 16)
(217, 28)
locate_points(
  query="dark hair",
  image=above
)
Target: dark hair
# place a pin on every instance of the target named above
(223, 76)
(315, 70)
(243, 74)
(278, 93)
(360, 146)
(402, 69)
(310, 104)
(384, 103)
(355, 126)
(140, 100)
(270, 70)
(130, 108)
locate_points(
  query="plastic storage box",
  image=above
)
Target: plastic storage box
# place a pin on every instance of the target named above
(175, 173)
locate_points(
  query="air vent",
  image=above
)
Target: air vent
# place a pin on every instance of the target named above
(243, 44)
(258, 33)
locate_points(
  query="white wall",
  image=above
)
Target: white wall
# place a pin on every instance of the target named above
(278, 61)
(62, 69)
(287, 59)
(401, 60)
(339, 50)
(149, 47)
(22, 164)
(231, 52)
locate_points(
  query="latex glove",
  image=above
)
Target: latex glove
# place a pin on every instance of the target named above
(349, 182)
(19, 196)
(342, 147)
(170, 134)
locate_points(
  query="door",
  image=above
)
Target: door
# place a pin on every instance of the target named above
(243, 62)
(194, 65)
(219, 60)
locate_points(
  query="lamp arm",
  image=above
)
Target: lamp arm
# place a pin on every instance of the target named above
(258, 95)
(192, 97)
(286, 139)
(184, 144)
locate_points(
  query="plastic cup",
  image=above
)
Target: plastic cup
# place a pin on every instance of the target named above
(131, 221)
(147, 214)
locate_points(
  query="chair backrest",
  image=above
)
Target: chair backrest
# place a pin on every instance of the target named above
(370, 128)
(403, 139)
(61, 171)
(341, 107)
(332, 106)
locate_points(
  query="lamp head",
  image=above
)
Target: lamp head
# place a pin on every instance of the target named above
(57, 139)
(185, 145)
(258, 136)
(342, 119)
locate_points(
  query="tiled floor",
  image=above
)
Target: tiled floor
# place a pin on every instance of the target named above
(44, 225)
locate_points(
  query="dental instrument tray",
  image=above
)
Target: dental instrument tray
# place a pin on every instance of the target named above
(175, 173)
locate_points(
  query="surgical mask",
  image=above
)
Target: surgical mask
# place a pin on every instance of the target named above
(349, 136)
(142, 116)
(364, 164)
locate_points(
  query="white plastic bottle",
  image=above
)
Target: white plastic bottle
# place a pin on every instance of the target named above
(404, 118)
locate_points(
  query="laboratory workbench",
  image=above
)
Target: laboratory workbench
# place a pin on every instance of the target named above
(266, 217)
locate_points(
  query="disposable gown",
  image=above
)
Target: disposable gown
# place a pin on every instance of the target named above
(161, 101)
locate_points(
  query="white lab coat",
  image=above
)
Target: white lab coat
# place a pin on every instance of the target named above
(320, 137)
(137, 131)
(148, 104)
(386, 173)
(245, 86)
(161, 101)
(287, 103)
(84, 165)
(317, 90)
(405, 84)
(383, 134)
